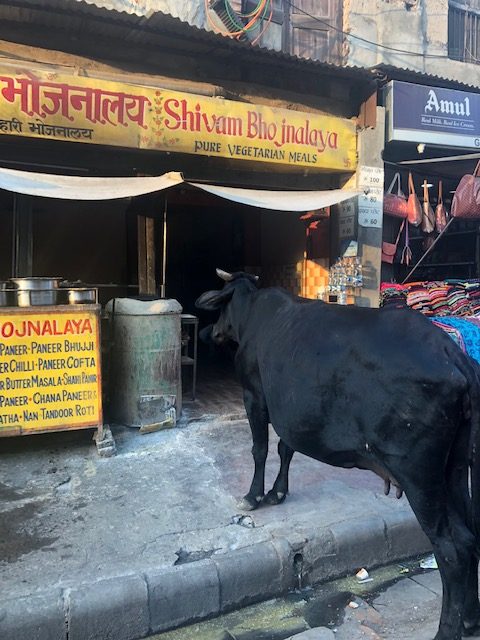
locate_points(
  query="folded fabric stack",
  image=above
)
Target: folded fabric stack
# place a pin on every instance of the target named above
(439, 298)
(393, 295)
(473, 291)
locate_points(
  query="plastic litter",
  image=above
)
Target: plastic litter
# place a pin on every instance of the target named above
(429, 562)
(363, 576)
(353, 605)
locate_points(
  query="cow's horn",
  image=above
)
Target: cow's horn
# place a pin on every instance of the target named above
(224, 275)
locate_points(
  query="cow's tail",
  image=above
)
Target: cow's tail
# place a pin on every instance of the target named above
(473, 417)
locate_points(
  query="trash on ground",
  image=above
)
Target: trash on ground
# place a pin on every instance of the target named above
(353, 605)
(429, 562)
(244, 521)
(363, 576)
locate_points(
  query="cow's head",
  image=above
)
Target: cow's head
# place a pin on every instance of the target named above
(226, 327)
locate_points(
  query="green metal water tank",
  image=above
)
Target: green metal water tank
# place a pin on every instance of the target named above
(145, 386)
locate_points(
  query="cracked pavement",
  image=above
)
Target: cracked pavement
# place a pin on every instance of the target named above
(69, 516)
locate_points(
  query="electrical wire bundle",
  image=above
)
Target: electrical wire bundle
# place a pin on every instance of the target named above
(239, 23)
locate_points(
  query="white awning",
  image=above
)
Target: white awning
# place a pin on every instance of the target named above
(83, 188)
(88, 188)
(281, 200)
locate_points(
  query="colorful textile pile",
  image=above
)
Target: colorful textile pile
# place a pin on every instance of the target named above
(464, 331)
(473, 291)
(436, 298)
(393, 295)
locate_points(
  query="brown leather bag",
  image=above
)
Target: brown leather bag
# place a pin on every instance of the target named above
(428, 218)
(395, 204)
(389, 249)
(440, 211)
(466, 199)
(414, 208)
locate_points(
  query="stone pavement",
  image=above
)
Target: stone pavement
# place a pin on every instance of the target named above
(408, 610)
(398, 602)
(150, 539)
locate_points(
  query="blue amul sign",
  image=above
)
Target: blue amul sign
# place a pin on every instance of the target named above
(432, 115)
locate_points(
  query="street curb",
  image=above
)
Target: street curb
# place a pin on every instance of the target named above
(130, 607)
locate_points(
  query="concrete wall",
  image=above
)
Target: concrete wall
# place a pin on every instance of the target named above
(419, 26)
(415, 26)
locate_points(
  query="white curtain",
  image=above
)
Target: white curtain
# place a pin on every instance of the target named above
(88, 188)
(83, 188)
(281, 200)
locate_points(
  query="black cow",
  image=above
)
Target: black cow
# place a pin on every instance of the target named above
(379, 389)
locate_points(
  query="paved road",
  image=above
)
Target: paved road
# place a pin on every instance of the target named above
(97, 548)
(397, 604)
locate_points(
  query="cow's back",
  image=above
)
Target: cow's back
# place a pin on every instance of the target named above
(359, 374)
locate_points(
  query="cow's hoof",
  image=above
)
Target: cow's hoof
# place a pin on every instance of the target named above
(248, 503)
(274, 497)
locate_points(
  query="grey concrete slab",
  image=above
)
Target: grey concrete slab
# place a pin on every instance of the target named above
(70, 518)
(38, 617)
(113, 609)
(182, 594)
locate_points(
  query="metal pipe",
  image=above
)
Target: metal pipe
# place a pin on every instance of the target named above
(414, 268)
(164, 252)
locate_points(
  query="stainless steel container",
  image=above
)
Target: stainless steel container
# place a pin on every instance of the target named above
(82, 296)
(32, 292)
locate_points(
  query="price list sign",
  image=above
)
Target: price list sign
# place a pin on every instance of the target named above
(50, 377)
(370, 203)
(346, 219)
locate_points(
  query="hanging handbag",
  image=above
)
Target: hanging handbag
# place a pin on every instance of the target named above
(406, 252)
(466, 199)
(395, 204)
(414, 208)
(389, 249)
(440, 211)
(428, 217)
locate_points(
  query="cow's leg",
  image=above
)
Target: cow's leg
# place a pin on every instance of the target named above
(452, 543)
(458, 484)
(471, 617)
(257, 413)
(278, 492)
(458, 489)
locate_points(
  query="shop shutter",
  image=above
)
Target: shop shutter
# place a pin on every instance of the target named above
(312, 35)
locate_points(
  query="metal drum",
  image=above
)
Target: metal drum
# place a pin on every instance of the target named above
(32, 292)
(145, 388)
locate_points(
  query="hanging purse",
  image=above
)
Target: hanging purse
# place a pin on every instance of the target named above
(406, 252)
(466, 199)
(440, 211)
(389, 249)
(428, 217)
(395, 204)
(414, 208)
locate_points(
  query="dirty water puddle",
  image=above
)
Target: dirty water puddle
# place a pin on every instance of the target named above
(279, 619)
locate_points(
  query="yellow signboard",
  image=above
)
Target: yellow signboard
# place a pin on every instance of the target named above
(44, 104)
(49, 371)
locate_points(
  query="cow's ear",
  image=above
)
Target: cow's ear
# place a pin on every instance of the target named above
(213, 300)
